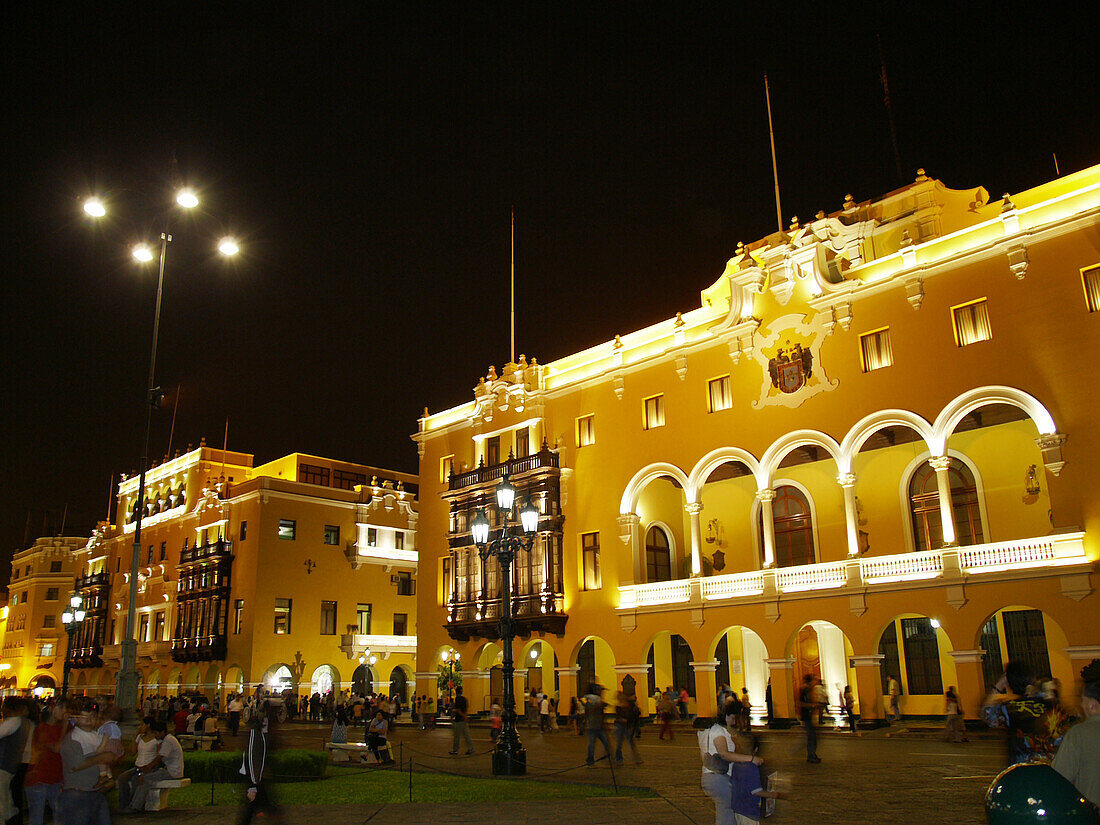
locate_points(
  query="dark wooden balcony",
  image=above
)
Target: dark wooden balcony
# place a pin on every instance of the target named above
(93, 580)
(91, 656)
(539, 613)
(199, 649)
(513, 466)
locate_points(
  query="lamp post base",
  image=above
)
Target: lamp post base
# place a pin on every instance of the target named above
(509, 762)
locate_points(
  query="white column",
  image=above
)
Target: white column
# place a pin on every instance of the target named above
(941, 464)
(694, 509)
(848, 482)
(765, 497)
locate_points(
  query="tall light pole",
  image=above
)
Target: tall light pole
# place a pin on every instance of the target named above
(71, 620)
(128, 677)
(509, 756)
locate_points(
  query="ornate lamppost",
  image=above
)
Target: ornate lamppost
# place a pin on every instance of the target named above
(71, 620)
(517, 533)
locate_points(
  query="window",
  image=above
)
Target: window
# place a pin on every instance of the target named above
(143, 632)
(400, 624)
(332, 534)
(27, 571)
(46, 649)
(794, 535)
(922, 657)
(1090, 279)
(118, 561)
(287, 528)
(14, 599)
(158, 628)
(992, 667)
(586, 430)
(971, 322)
(149, 555)
(492, 450)
(586, 667)
(238, 616)
(55, 567)
(924, 507)
(523, 442)
(406, 585)
(282, 616)
(372, 537)
(113, 641)
(49, 620)
(446, 468)
(1026, 640)
(346, 479)
(448, 582)
(590, 560)
(163, 550)
(654, 415)
(874, 350)
(51, 594)
(328, 618)
(312, 474)
(362, 619)
(244, 530)
(399, 540)
(718, 394)
(658, 556)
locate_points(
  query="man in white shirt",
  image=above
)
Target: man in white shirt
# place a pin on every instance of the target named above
(167, 765)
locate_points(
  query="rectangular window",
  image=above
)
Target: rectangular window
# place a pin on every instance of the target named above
(49, 620)
(492, 451)
(448, 582)
(332, 534)
(163, 550)
(399, 540)
(312, 474)
(406, 584)
(113, 641)
(372, 537)
(27, 572)
(1090, 280)
(654, 415)
(14, 599)
(149, 555)
(590, 553)
(346, 480)
(51, 594)
(586, 430)
(523, 442)
(922, 657)
(328, 618)
(244, 530)
(143, 633)
(287, 528)
(718, 394)
(55, 567)
(46, 649)
(971, 322)
(362, 619)
(400, 624)
(158, 628)
(282, 616)
(874, 350)
(1026, 639)
(238, 616)
(446, 468)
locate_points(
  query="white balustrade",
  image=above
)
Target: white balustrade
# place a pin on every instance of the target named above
(927, 564)
(812, 577)
(1046, 551)
(736, 584)
(670, 592)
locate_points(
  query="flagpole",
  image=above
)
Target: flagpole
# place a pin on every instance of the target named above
(775, 168)
(513, 267)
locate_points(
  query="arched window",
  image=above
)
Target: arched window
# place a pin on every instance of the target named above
(794, 532)
(924, 505)
(658, 557)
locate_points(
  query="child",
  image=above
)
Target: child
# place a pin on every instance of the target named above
(104, 746)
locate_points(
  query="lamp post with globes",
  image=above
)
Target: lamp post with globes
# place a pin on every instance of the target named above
(517, 533)
(128, 677)
(71, 620)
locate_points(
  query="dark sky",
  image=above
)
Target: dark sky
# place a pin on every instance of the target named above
(369, 160)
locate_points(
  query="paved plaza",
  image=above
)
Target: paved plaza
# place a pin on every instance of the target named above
(882, 776)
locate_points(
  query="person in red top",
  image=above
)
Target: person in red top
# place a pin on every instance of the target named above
(179, 721)
(44, 780)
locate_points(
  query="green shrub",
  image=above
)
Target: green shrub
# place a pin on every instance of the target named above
(283, 766)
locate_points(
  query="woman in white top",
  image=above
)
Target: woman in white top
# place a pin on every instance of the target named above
(719, 742)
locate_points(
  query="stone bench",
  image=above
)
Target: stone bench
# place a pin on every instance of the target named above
(157, 798)
(342, 752)
(196, 741)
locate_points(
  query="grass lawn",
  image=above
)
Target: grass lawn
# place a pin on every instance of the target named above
(352, 786)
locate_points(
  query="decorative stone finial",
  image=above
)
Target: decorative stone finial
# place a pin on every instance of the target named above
(849, 202)
(905, 239)
(425, 412)
(1008, 205)
(618, 343)
(794, 223)
(680, 319)
(202, 441)
(820, 215)
(492, 376)
(921, 177)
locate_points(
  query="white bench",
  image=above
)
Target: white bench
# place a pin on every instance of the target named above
(195, 741)
(342, 751)
(157, 798)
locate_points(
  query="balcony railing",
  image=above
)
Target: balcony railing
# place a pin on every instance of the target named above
(202, 552)
(513, 466)
(92, 580)
(874, 571)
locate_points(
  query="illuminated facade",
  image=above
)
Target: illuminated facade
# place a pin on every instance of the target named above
(297, 573)
(868, 451)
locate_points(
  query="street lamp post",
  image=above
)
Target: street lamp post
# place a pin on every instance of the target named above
(128, 677)
(516, 535)
(71, 620)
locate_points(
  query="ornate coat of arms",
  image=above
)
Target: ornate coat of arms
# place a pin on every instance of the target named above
(791, 367)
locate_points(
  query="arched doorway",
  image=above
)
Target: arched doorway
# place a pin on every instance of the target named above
(821, 650)
(658, 555)
(793, 525)
(278, 678)
(324, 681)
(399, 684)
(742, 665)
(43, 685)
(924, 506)
(362, 680)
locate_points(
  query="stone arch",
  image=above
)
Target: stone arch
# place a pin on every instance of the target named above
(754, 517)
(799, 438)
(486, 655)
(648, 474)
(974, 399)
(363, 679)
(1060, 664)
(602, 657)
(212, 680)
(903, 492)
(401, 681)
(234, 679)
(325, 677)
(175, 677)
(742, 645)
(544, 665)
(724, 455)
(874, 422)
(917, 700)
(831, 661)
(660, 653)
(278, 677)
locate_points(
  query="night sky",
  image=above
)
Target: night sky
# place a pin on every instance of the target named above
(369, 160)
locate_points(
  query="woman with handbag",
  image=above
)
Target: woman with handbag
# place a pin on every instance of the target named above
(719, 751)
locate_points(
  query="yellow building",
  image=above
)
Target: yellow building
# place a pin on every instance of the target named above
(298, 573)
(868, 451)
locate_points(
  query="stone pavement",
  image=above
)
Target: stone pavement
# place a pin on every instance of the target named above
(882, 776)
